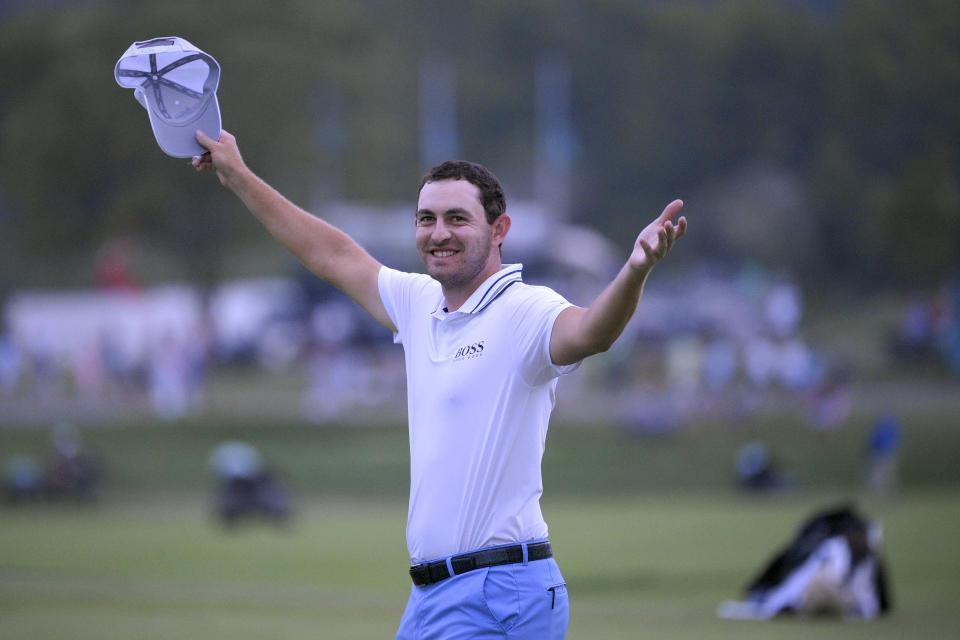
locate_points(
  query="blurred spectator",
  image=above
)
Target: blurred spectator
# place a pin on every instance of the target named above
(924, 332)
(786, 363)
(245, 486)
(340, 379)
(883, 450)
(73, 472)
(23, 480)
(831, 401)
(760, 361)
(45, 369)
(654, 414)
(11, 365)
(89, 371)
(125, 369)
(782, 309)
(797, 370)
(758, 471)
(915, 337)
(953, 324)
(341, 368)
(172, 376)
(720, 364)
(113, 269)
(684, 362)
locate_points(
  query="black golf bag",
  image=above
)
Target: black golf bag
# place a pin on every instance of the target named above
(833, 565)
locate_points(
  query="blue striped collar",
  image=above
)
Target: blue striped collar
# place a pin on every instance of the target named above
(486, 292)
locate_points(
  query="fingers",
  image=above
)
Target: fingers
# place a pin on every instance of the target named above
(656, 247)
(676, 229)
(647, 250)
(654, 253)
(220, 148)
(670, 210)
(204, 162)
(204, 140)
(681, 227)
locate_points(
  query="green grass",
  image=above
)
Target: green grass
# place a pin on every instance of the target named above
(373, 460)
(650, 533)
(636, 567)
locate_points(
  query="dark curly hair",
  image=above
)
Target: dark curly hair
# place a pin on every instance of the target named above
(491, 193)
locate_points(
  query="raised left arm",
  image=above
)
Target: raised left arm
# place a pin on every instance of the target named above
(580, 332)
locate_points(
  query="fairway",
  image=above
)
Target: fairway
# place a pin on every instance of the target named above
(644, 567)
(650, 533)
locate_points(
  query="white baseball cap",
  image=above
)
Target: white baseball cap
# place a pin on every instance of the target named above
(177, 84)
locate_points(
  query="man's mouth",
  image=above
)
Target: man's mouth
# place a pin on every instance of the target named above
(442, 253)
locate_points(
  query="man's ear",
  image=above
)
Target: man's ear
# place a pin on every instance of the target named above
(500, 228)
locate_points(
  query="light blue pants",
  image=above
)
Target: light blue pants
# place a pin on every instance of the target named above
(516, 601)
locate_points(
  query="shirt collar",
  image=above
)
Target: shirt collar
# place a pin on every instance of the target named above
(485, 293)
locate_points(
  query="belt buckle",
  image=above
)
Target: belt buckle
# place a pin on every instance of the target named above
(420, 574)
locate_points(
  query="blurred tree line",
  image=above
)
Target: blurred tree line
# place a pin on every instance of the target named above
(816, 137)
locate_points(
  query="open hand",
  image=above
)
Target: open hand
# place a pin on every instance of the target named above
(656, 240)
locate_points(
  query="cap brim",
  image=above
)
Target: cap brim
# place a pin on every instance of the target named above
(179, 141)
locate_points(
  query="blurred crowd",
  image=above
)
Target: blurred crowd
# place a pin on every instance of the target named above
(729, 348)
(724, 344)
(928, 331)
(118, 345)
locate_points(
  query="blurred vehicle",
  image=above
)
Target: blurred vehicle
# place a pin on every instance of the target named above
(246, 487)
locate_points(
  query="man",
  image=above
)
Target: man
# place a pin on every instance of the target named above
(483, 353)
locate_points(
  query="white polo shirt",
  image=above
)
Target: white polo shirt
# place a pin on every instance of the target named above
(480, 389)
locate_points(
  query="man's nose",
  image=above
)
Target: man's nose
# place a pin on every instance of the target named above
(440, 231)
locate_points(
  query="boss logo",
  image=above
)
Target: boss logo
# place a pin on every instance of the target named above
(474, 350)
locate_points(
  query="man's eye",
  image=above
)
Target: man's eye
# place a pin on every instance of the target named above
(424, 220)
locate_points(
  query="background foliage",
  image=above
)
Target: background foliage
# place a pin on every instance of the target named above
(819, 137)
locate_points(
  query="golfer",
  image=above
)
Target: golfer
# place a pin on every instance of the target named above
(483, 353)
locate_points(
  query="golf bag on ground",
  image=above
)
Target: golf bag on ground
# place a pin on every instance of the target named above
(833, 566)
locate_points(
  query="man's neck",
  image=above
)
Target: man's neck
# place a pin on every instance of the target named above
(454, 298)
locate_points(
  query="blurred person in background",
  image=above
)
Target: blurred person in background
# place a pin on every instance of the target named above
(23, 480)
(113, 269)
(758, 471)
(246, 486)
(72, 472)
(176, 373)
(483, 354)
(883, 453)
(11, 363)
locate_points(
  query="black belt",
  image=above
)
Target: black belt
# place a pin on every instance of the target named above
(431, 572)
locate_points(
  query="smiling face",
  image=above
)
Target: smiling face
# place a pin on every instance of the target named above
(456, 243)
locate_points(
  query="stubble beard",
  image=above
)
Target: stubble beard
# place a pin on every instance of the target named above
(473, 264)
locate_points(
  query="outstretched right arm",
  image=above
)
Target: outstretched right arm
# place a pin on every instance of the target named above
(326, 250)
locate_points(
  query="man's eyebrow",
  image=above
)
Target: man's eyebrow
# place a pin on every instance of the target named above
(453, 211)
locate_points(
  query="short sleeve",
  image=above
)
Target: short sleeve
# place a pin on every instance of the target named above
(534, 317)
(400, 292)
